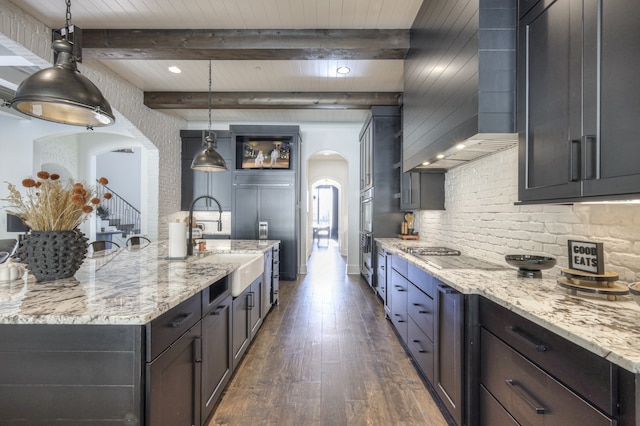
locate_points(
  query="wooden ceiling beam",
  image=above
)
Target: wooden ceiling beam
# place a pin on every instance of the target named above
(200, 44)
(270, 100)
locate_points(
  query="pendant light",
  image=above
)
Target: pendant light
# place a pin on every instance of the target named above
(60, 93)
(209, 160)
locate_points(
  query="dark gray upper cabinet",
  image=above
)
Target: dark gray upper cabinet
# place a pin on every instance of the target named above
(196, 183)
(577, 100)
(459, 75)
(422, 191)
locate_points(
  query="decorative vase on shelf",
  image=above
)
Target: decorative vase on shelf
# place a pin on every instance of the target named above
(53, 255)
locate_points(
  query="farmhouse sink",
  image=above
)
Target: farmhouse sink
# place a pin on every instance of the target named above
(251, 266)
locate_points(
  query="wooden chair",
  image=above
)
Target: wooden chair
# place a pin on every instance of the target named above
(137, 240)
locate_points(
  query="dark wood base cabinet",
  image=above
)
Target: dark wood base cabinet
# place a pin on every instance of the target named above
(532, 376)
(488, 366)
(171, 371)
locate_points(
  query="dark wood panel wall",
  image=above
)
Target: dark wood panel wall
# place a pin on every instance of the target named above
(459, 76)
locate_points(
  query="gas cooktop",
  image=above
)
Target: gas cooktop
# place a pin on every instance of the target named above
(446, 258)
(433, 251)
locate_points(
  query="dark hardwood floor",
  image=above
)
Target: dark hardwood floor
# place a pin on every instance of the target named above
(326, 356)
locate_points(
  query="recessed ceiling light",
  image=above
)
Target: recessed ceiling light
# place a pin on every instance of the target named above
(175, 70)
(343, 70)
(460, 146)
(426, 163)
(440, 156)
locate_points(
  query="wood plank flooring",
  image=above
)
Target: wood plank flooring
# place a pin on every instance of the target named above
(326, 356)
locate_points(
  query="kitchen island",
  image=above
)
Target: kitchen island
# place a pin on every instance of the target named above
(108, 345)
(512, 335)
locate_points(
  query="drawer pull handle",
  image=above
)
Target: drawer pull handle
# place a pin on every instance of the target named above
(524, 395)
(177, 323)
(540, 347)
(218, 310)
(422, 351)
(423, 312)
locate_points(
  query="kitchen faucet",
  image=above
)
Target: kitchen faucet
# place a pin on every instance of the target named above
(190, 239)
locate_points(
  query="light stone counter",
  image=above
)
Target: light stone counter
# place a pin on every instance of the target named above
(610, 329)
(125, 287)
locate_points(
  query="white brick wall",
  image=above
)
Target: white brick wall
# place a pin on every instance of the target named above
(481, 219)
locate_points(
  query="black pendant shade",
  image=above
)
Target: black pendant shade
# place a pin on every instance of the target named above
(208, 160)
(62, 95)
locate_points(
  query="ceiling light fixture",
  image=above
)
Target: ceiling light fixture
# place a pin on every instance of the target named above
(175, 69)
(60, 93)
(460, 146)
(343, 70)
(440, 156)
(426, 163)
(209, 160)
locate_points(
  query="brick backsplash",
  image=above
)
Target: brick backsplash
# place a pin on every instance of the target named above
(481, 219)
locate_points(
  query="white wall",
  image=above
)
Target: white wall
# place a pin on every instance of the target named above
(122, 169)
(482, 220)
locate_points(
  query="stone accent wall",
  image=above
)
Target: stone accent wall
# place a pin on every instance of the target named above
(481, 219)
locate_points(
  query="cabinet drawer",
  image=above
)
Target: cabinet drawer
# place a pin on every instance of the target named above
(530, 395)
(168, 327)
(400, 265)
(585, 373)
(491, 412)
(420, 307)
(421, 348)
(423, 280)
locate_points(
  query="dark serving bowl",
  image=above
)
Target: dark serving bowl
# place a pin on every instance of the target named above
(528, 262)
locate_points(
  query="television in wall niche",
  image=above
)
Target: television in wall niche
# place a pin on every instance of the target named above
(263, 153)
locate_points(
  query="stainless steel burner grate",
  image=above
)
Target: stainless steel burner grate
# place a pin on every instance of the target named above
(433, 251)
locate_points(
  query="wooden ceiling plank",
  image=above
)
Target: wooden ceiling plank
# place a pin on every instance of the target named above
(105, 44)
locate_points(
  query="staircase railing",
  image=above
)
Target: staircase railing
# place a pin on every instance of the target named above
(122, 214)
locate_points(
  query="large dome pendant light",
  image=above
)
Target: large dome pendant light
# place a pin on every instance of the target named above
(209, 160)
(60, 93)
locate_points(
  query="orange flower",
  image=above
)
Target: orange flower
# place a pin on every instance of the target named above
(87, 209)
(43, 175)
(77, 199)
(107, 195)
(103, 181)
(95, 200)
(28, 183)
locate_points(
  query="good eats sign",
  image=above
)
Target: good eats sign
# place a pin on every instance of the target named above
(586, 256)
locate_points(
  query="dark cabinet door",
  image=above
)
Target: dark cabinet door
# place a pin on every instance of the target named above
(410, 191)
(366, 157)
(174, 377)
(449, 359)
(549, 100)
(612, 158)
(240, 326)
(255, 306)
(216, 355)
(245, 213)
(275, 277)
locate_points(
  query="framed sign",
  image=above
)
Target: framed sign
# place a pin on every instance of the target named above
(586, 256)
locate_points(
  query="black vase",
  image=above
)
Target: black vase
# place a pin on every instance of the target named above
(53, 255)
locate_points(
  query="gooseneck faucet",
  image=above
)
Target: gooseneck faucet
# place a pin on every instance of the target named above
(190, 239)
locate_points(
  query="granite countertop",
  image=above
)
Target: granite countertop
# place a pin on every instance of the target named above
(125, 287)
(610, 329)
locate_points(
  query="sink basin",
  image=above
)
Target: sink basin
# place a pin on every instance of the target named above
(251, 267)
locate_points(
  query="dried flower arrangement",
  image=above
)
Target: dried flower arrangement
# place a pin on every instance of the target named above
(50, 205)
